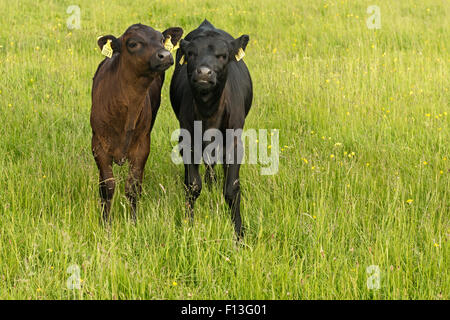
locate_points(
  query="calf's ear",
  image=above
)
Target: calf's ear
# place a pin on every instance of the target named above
(238, 46)
(172, 36)
(113, 42)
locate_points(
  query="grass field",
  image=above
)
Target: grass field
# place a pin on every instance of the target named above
(364, 171)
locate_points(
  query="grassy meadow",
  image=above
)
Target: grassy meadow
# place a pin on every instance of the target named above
(363, 180)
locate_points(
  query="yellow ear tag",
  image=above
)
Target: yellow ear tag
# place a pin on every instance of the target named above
(107, 50)
(240, 54)
(182, 60)
(168, 45)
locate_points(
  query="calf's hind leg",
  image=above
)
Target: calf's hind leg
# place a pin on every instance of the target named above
(232, 193)
(106, 178)
(137, 155)
(232, 187)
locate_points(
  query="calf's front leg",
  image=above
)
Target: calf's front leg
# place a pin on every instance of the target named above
(210, 175)
(193, 186)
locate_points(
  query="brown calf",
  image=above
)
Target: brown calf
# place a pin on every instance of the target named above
(126, 95)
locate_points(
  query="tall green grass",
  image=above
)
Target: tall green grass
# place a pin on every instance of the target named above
(364, 164)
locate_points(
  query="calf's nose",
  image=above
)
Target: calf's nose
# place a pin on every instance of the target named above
(163, 55)
(204, 74)
(204, 71)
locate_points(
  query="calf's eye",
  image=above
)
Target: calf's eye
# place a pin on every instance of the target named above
(132, 45)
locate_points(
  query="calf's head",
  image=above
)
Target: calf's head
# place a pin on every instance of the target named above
(142, 48)
(207, 57)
